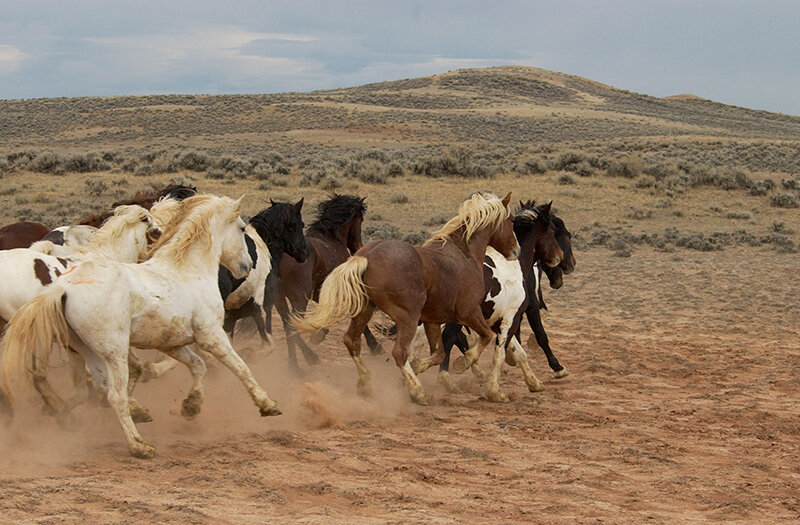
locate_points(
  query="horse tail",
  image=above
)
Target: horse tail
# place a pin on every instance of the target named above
(25, 350)
(343, 294)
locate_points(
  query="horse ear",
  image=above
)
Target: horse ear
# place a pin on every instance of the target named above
(271, 202)
(237, 205)
(546, 208)
(507, 199)
(299, 205)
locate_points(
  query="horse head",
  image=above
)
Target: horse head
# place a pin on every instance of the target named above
(567, 264)
(533, 224)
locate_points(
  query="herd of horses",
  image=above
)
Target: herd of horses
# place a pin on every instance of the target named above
(175, 271)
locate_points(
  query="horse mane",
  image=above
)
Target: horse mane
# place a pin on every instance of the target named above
(476, 213)
(191, 222)
(336, 211)
(113, 228)
(264, 220)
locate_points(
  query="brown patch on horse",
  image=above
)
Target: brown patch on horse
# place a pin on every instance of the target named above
(42, 272)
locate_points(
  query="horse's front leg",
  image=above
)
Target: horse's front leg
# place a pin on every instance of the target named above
(534, 315)
(521, 358)
(212, 339)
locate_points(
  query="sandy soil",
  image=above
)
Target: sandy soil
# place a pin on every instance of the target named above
(682, 406)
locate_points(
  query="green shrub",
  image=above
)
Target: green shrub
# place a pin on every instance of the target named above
(784, 200)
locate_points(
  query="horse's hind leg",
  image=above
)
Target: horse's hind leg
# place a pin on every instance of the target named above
(433, 332)
(293, 339)
(485, 335)
(352, 340)
(191, 405)
(109, 367)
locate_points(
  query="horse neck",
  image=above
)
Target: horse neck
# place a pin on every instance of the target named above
(476, 247)
(201, 259)
(527, 255)
(120, 248)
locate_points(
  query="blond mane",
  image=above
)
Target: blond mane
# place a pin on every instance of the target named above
(476, 213)
(113, 228)
(190, 222)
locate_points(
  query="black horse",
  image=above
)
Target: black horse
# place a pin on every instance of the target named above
(281, 228)
(452, 335)
(333, 236)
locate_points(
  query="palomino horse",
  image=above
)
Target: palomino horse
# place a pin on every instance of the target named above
(21, 234)
(506, 297)
(27, 273)
(332, 238)
(100, 308)
(436, 283)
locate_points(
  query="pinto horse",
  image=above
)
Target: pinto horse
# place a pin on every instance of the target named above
(21, 234)
(165, 303)
(438, 282)
(332, 238)
(506, 297)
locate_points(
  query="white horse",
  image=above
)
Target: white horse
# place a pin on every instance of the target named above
(100, 308)
(27, 272)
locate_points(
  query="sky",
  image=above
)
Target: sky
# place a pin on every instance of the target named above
(740, 52)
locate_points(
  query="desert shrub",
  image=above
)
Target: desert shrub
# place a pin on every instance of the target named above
(215, 174)
(121, 181)
(663, 203)
(662, 171)
(417, 237)
(628, 167)
(565, 178)
(143, 170)
(164, 164)
(85, 163)
(645, 181)
(195, 161)
(4, 164)
(584, 169)
(95, 186)
(398, 198)
(394, 169)
(620, 247)
(640, 214)
(456, 161)
(281, 168)
(782, 243)
(791, 184)
(739, 215)
(382, 231)
(780, 227)
(331, 182)
(265, 186)
(262, 172)
(437, 220)
(762, 187)
(599, 237)
(10, 190)
(369, 170)
(784, 200)
(47, 162)
(576, 161)
(534, 166)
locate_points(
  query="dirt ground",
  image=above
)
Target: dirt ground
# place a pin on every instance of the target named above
(681, 406)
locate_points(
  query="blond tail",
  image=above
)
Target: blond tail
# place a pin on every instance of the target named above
(343, 295)
(25, 350)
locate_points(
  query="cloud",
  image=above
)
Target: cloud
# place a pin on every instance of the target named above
(11, 58)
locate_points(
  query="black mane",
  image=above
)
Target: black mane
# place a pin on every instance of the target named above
(524, 220)
(337, 211)
(264, 221)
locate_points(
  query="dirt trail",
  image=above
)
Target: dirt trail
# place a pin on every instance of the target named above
(681, 406)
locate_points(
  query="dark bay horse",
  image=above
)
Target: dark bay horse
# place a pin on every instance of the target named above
(175, 191)
(438, 282)
(21, 234)
(332, 238)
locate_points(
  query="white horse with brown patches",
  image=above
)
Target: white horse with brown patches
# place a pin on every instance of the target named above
(101, 308)
(28, 272)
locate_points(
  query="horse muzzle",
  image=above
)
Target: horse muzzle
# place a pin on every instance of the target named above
(153, 234)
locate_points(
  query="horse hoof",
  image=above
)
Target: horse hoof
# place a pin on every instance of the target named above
(274, 411)
(141, 417)
(497, 397)
(510, 361)
(561, 373)
(143, 451)
(536, 388)
(189, 409)
(460, 365)
(420, 400)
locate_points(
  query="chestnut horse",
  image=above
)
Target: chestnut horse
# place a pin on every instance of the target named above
(439, 282)
(331, 238)
(173, 191)
(21, 234)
